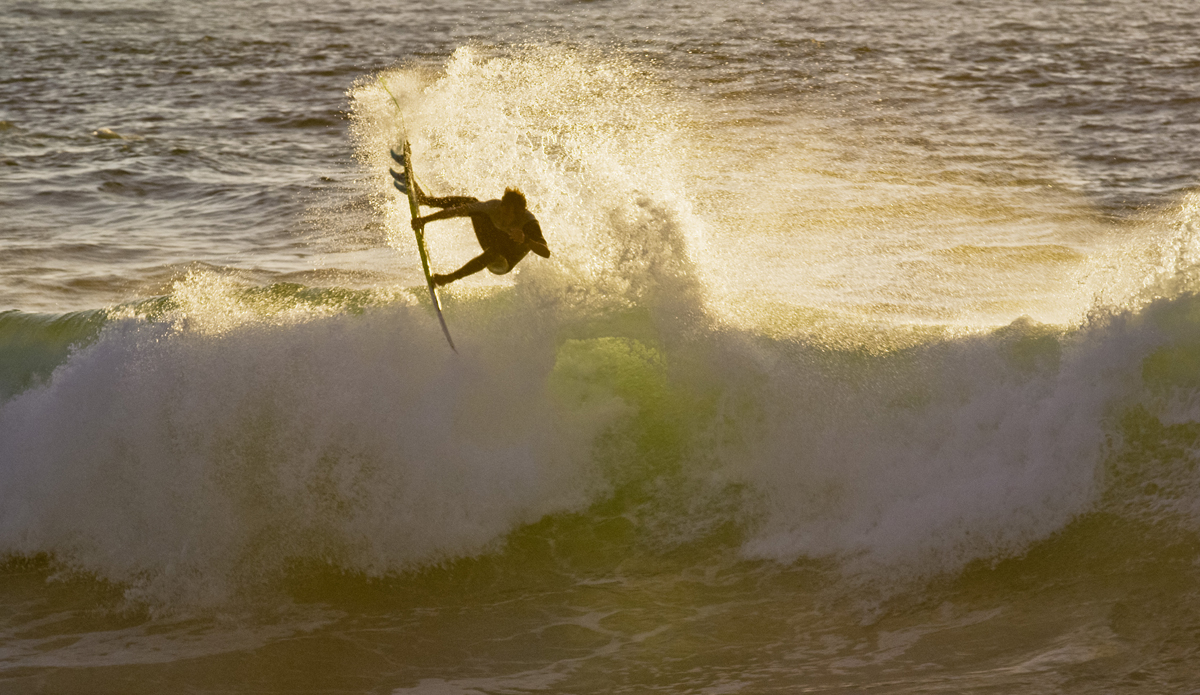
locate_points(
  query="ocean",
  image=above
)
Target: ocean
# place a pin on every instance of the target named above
(867, 358)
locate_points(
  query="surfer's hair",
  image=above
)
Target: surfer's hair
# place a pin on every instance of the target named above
(513, 197)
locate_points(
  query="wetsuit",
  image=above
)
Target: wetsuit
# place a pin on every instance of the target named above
(500, 252)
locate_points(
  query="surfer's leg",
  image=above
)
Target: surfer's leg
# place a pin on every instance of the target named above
(505, 253)
(401, 182)
(450, 201)
(471, 267)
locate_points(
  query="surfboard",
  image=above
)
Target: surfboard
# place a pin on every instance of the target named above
(401, 181)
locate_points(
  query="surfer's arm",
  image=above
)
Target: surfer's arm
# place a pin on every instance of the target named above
(534, 239)
(538, 247)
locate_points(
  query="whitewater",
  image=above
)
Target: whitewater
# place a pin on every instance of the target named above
(867, 358)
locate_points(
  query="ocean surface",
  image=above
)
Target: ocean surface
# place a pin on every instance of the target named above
(867, 358)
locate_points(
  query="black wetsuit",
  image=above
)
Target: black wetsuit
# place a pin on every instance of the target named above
(500, 252)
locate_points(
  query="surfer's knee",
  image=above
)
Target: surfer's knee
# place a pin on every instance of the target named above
(499, 266)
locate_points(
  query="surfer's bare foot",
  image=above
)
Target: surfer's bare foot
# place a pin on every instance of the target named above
(439, 279)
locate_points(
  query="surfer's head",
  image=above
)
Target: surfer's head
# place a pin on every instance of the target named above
(513, 199)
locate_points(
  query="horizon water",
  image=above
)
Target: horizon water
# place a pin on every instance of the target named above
(867, 358)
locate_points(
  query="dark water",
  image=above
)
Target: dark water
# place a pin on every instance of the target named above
(867, 359)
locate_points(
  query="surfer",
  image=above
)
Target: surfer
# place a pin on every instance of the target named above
(507, 231)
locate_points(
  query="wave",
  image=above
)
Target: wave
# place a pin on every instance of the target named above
(196, 455)
(32, 345)
(202, 445)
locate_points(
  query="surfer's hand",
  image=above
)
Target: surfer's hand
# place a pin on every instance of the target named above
(418, 223)
(516, 235)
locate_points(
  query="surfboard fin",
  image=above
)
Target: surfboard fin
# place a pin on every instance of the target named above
(399, 180)
(399, 157)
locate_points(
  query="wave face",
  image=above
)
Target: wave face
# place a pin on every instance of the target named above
(633, 471)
